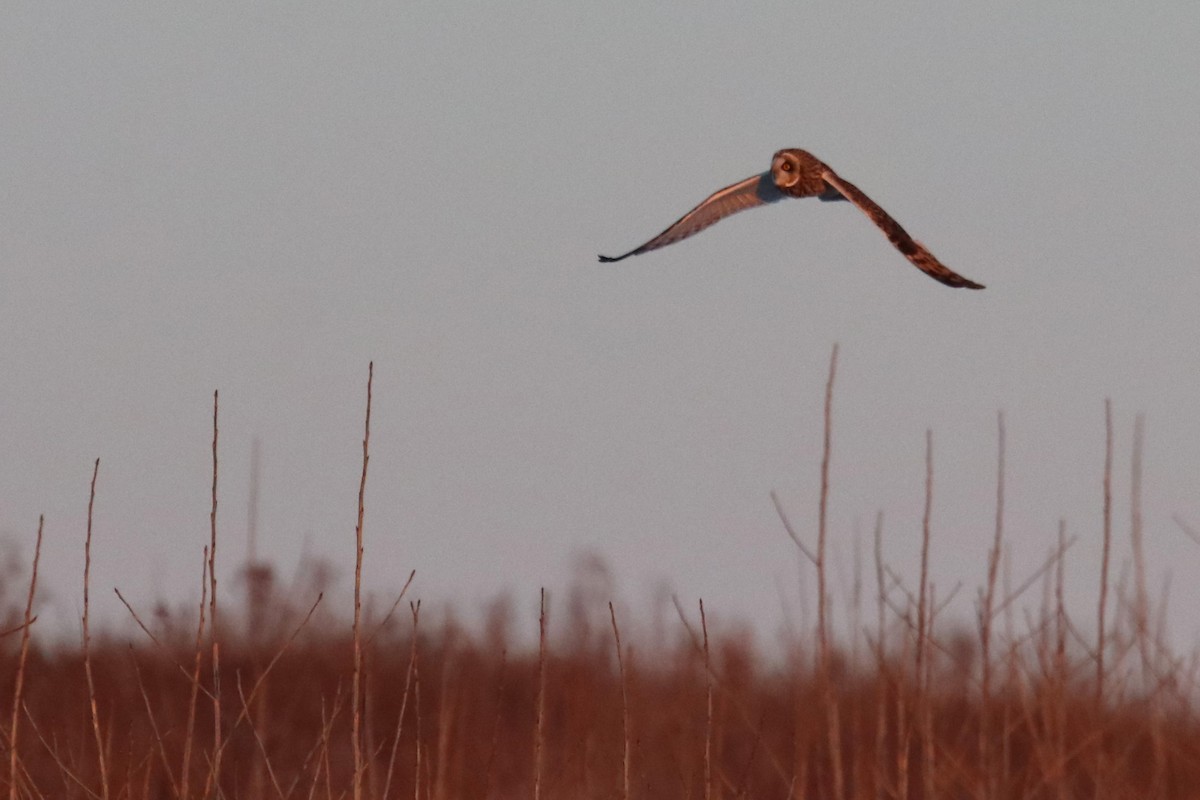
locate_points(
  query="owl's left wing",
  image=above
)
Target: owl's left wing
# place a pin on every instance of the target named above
(755, 191)
(910, 247)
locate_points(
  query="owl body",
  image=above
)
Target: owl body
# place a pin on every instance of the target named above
(798, 173)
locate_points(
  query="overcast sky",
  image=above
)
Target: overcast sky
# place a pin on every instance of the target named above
(263, 198)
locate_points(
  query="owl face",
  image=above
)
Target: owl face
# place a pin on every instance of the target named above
(797, 172)
(785, 169)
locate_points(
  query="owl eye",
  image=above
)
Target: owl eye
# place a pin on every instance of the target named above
(786, 166)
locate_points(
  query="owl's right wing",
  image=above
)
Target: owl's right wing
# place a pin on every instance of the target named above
(756, 191)
(913, 250)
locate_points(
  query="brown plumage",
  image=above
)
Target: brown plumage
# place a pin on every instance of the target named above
(797, 173)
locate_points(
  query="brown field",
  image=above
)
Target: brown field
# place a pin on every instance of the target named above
(1022, 706)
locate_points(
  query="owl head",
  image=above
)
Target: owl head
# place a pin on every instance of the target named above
(792, 166)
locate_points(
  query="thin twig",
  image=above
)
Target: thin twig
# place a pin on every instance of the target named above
(743, 712)
(1141, 608)
(417, 707)
(1060, 675)
(87, 640)
(1010, 596)
(158, 737)
(185, 769)
(923, 586)
(325, 760)
(261, 678)
(986, 775)
(822, 599)
(494, 740)
(924, 624)
(68, 774)
(541, 700)
(1187, 529)
(708, 719)
(157, 642)
(447, 707)
(828, 691)
(19, 686)
(17, 628)
(928, 749)
(412, 663)
(1101, 627)
(883, 678)
(262, 747)
(319, 748)
(386, 617)
(214, 777)
(624, 705)
(355, 699)
(787, 526)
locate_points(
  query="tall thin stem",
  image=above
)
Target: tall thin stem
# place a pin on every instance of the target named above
(624, 706)
(87, 640)
(822, 514)
(924, 624)
(19, 685)
(215, 771)
(922, 598)
(883, 681)
(412, 663)
(1101, 626)
(708, 720)
(1101, 611)
(829, 694)
(1141, 605)
(541, 700)
(197, 658)
(356, 699)
(986, 615)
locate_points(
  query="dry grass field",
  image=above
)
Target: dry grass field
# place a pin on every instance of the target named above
(276, 701)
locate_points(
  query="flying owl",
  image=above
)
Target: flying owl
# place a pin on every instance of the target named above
(797, 173)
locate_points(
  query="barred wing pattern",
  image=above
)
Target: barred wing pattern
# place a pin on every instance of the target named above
(756, 191)
(913, 250)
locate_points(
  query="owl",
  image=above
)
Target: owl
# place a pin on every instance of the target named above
(797, 173)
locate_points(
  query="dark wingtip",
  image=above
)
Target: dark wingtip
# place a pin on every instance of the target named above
(956, 281)
(609, 259)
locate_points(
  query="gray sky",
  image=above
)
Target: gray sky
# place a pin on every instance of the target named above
(262, 201)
